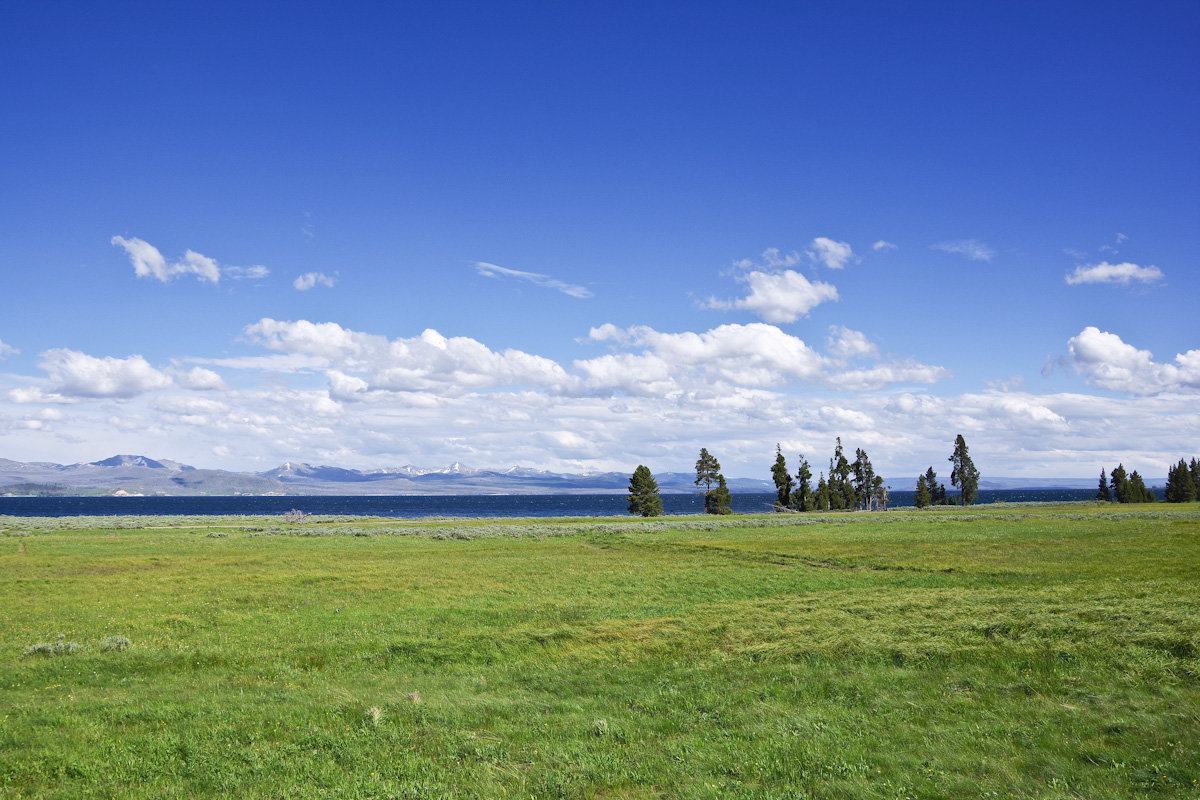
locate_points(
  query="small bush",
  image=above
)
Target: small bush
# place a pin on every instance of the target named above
(115, 643)
(60, 647)
(296, 515)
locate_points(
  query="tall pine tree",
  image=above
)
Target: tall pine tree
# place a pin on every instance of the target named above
(1181, 488)
(922, 497)
(783, 481)
(802, 498)
(643, 493)
(1103, 492)
(1119, 479)
(1137, 489)
(707, 469)
(963, 473)
(864, 479)
(937, 491)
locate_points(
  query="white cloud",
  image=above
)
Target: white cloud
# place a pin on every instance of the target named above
(200, 379)
(310, 279)
(844, 343)
(778, 297)
(249, 273)
(148, 262)
(1123, 274)
(421, 363)
(79, 375)
(537, 279)
(7, 350)
(884, 375)
(731, 357)
(832, 254)
(882, 245)
(971, 248)
(772, 258)
(1109, 362)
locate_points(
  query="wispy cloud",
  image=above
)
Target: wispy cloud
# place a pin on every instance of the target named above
(7, 350)
(310, 279)
(882, 245)
(536, 278)
(1123, 274)
(971, 248)
(149, 262)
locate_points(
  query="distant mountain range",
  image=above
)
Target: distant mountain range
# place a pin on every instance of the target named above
(139, 475)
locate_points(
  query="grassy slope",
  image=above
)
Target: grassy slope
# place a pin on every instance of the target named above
(1006, 652)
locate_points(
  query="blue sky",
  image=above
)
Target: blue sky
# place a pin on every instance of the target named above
(583, 236)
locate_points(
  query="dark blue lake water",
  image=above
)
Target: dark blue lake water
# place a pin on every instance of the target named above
(591, 505)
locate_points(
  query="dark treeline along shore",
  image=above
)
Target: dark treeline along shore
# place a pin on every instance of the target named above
(855, 486)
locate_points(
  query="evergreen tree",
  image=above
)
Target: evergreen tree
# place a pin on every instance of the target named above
(1194, 468)
(643, 493)
(864, 479)
(783, 481)
(802, 498)
(707, 469)
(937, 491)
(1120, 484)
(841, 490)
(718, 500)
(922, 498)
(1137, 489)
(963, 474)
(822, 499)
(1181, 488)
(1103, 493)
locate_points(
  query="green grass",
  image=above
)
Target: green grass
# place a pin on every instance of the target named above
(1006, 651)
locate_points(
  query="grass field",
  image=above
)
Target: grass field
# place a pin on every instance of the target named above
(1006, 651)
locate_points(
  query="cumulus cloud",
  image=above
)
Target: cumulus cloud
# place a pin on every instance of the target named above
(201, 379)
(971, 248)
(754, 356)
(310, 279)
(1123, 274)
(844, 343)
(1107, 361)
(832, 254)
(7, 350)
(778, 296)
(77, 374)
(537, 279)
(882, 245)
(430, 361)
(148, 262)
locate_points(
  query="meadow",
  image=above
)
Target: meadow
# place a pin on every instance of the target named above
(989, 652)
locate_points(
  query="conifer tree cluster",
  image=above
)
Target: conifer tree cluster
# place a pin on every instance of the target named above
(850, 485)
(1125, 487)
(963, 475)
(1183, 482)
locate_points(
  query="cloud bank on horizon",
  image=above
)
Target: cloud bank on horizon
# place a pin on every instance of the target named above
(602, 254)
(325, 391)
